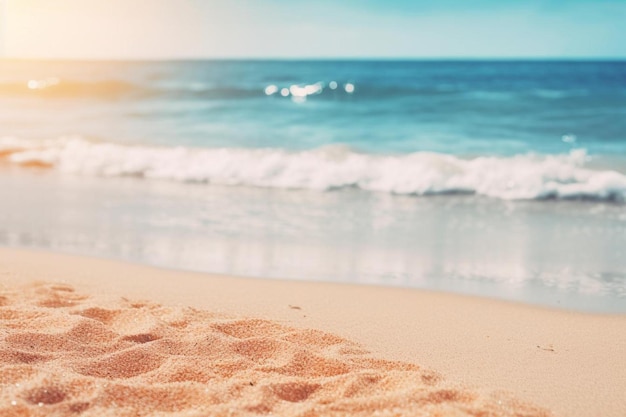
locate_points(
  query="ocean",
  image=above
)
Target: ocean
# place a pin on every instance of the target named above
(503, 179)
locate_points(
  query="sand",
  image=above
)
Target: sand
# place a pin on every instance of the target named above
(89, 337)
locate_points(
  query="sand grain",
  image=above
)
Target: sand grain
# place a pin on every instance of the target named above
(67, 354)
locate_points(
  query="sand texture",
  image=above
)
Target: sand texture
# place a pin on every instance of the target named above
(63, 353)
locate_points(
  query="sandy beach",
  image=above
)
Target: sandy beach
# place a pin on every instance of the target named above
(310, 208)
(97, 337)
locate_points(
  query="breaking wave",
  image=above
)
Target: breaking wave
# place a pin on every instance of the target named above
(530, 176)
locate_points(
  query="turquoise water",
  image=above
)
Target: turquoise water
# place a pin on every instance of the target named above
(462, 108)
(505, 179)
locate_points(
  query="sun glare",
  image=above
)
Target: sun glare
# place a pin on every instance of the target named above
(3, 23)
(84, 29)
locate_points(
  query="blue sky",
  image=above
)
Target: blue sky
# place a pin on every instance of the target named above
(324, 28)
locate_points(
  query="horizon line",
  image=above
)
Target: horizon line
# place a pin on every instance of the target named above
(330, 58)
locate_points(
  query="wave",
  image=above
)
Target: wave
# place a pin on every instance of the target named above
(534, 177)
(558, 94)
(53, 87)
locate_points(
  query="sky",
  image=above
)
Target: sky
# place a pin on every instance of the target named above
(180, 29)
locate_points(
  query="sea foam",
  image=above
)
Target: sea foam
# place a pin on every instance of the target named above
(529, 176)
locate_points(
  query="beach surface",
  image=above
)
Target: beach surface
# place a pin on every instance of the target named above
(83, 336)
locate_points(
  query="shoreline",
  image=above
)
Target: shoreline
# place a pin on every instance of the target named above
(529, 251)
(571, 363)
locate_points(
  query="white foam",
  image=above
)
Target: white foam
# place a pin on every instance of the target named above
(422, 173)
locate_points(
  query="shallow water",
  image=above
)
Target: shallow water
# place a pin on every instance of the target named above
(562, 254)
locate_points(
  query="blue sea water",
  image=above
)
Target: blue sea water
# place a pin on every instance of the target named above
(462, 108)
(497, 178)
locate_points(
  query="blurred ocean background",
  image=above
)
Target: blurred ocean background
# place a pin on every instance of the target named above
(504, 179)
